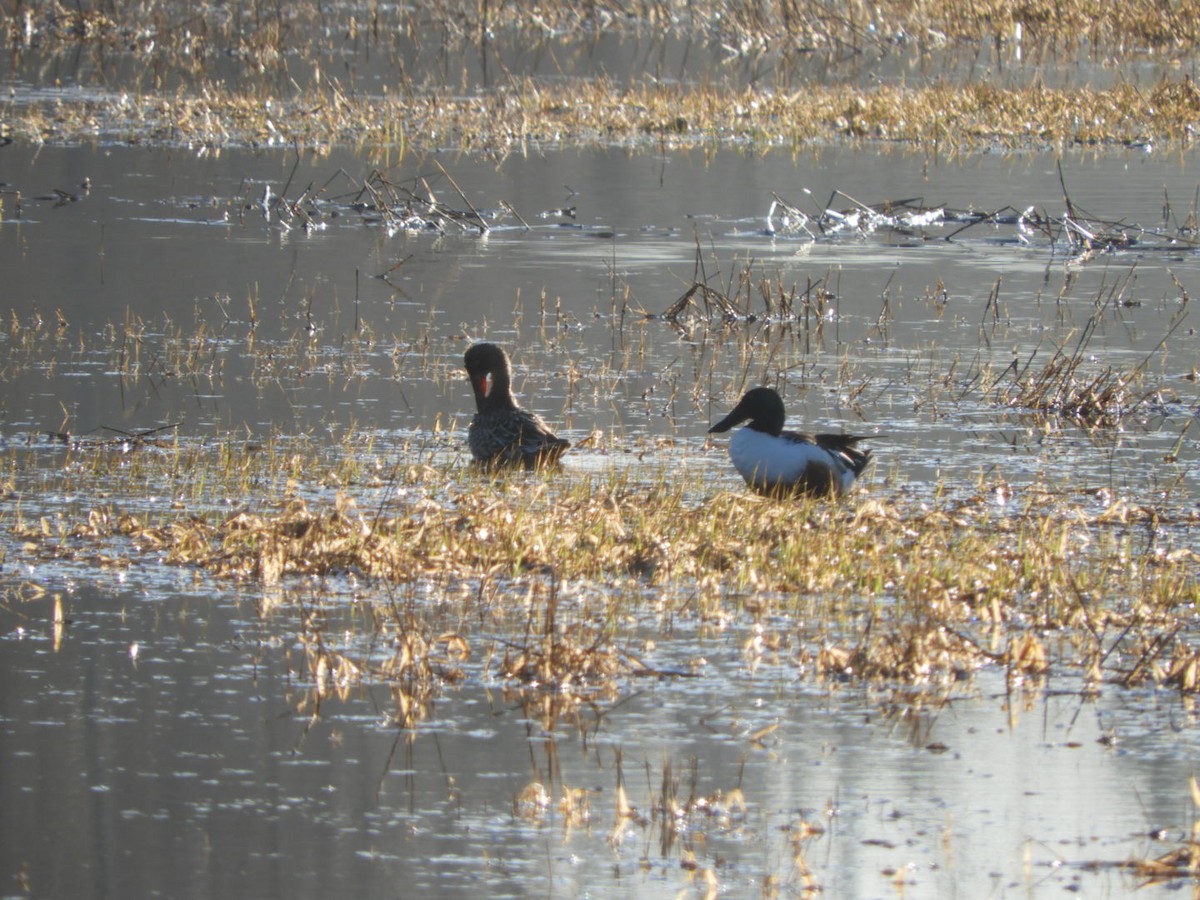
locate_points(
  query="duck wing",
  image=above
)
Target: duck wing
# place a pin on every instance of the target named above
(841, 447)
(513, 437)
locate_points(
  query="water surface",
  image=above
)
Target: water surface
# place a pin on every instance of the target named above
(169, 741)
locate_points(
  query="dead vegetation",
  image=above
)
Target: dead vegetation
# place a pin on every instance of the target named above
(1070, 384)
(181, 94)
(523, 114)
(878, 592)
(552, 586)
(1066, 379)
(748, 294)
(157, 27)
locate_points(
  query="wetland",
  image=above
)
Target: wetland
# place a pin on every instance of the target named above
(265, 630)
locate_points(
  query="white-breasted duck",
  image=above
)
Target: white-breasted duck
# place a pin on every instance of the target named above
(501, 433)
(778, 462)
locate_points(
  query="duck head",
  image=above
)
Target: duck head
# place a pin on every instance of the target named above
(761, 407)
(490, 374)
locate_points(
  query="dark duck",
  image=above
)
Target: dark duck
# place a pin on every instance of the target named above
(501, 433)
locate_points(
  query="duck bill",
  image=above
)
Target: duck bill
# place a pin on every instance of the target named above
(734, 418)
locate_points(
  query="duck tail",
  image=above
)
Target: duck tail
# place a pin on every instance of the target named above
(858, 459)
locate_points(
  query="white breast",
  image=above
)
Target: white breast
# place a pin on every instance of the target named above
(764, 459)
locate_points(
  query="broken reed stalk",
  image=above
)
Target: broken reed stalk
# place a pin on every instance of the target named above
(785, 305)
(1099, 400)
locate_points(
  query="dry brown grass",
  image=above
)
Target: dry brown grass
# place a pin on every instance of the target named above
(1070, 385)
(788, 110)
(881, 590)
(952, 117)
(160, 26)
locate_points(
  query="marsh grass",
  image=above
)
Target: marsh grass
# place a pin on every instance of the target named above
(749, 295)
(525, 114)
(162, 27)
(264, 104)
(876, 589)
(1071, 384)
(394, 584)
(550, 578)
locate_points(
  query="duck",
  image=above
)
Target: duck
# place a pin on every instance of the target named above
(780, 463)
(501, 433)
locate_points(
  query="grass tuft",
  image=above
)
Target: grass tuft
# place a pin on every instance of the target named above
(880, 590)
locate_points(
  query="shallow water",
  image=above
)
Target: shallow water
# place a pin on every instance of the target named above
(196, 766)
(185, 303)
